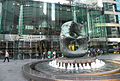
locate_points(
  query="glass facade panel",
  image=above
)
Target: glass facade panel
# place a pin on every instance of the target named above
(108, 6)
(34, 18)
(118, 6)
(118, 10)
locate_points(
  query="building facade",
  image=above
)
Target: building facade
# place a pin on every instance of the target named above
(111, 11)
(29, 27)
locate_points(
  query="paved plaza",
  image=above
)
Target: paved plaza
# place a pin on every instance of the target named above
(12, 71)
(109, 57)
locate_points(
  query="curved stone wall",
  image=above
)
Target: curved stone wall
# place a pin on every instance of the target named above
(33, 74)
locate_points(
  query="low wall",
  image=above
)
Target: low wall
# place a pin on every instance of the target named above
(32, 74)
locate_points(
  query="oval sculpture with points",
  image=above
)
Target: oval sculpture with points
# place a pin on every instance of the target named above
(73, 42)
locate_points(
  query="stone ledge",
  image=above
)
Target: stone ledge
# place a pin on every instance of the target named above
(35, 75)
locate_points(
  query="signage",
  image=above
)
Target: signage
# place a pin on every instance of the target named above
(98, 39)
(24, 37)
(29, 37)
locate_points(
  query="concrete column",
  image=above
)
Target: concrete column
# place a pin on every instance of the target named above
(6, 45)
(52, 45)
(20, 25)
(53, 15)
(74, 15)
(30, 52)
(0, 14)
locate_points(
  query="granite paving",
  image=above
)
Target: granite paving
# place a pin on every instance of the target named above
(12, 71)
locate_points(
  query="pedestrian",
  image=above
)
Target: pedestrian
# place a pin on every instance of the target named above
(49, 54)
(6, 56)
(89, 52)
(98, 52)
(44, 53)
(101, 51)
(54, 54)
(93, 52)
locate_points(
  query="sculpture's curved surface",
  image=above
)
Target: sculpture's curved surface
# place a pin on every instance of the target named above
(73, 42)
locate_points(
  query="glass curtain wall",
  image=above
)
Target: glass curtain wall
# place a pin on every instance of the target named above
(117, 6)
(113, 31)
(96, 29)
(21, 17)
(36, 18)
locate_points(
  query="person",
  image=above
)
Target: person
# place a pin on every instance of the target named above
(101, 51)
(49, 54)
(89, 52)
(98, 51)
(54, 54)
(44, 54)
(6, 56)
(93, 52)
